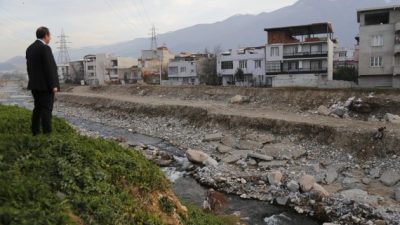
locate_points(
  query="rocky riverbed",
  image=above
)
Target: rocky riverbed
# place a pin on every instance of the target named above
(321, 181)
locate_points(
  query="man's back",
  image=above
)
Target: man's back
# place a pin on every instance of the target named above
(42, 69)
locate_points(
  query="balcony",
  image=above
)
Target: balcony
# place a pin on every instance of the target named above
(309, 54)
(396, 71)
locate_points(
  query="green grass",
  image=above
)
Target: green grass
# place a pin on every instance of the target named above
(43, 180)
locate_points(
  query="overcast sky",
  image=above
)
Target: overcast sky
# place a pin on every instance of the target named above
(97, 22)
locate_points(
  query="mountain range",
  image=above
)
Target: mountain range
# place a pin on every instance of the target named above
(246, 30)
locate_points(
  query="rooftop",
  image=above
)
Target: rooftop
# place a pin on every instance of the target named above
(314, 28)
(376, 9)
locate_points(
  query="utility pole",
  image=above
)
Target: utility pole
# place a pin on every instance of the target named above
(63, 55)
(153, 38)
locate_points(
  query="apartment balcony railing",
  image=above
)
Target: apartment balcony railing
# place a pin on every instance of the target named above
(297, 71)
(308, 54)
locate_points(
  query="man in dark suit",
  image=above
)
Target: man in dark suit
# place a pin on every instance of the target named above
(43, 80)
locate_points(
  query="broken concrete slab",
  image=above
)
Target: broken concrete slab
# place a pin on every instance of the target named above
(223, 149)
(273, 164)
(249, 145)
(235, 156)
(213, 137)
(260, 156)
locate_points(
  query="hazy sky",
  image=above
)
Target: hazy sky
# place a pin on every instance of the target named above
(96, 22)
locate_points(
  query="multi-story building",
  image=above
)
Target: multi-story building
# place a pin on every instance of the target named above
(120, 69)
(153, 63)
(95, 69)
(77, 71)
(300, 55)
(186, 69)
(250, 60)
(345, 58)
(379, 44)
(63, 72)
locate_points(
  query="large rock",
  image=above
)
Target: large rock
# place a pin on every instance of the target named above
(239, 99)
(275, 178)
(260, 156)
(331, 175)
(293, 186)
(213, 137)
(397, 194)
(249, 145)
(198, 157)
(284, 151)
(390, 178)
(223, 149)
(306, 183)
(392, 118)
(319, 190)
(323, 110)
(358, 195)
(282, 200)
(229, 141)
(235, 156)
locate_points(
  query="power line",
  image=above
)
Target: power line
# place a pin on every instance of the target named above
(153, 45)
(122, 18)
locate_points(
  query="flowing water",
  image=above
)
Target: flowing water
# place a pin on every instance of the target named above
(186, 188)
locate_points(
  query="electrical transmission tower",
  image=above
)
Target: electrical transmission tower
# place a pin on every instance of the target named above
(153, 38)
(63, 55)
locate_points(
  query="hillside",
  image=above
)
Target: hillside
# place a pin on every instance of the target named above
(71, 179)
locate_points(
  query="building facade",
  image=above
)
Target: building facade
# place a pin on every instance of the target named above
(95, 69)
(154, 63)
(250, 60)
(300, 55)
(379, 44)
(345, 58)
(120, 69)
(77, 71)
(187, 68)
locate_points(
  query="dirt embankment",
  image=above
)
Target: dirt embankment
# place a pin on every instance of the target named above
(352, 135)
(287, 99)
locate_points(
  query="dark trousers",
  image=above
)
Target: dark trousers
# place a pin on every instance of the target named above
(42, 112)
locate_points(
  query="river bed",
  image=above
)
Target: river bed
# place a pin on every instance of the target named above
(252, 212)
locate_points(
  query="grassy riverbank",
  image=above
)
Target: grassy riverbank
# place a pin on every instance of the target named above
(72, 179)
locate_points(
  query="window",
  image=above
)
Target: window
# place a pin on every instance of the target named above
(90, 68)
(274, 51)
(257, 64)
(243, 64)
(173, 70)
(183, 69)
(397, 38)
(377, 40)
(342, 54)
(273, 67)
(227, 65)
(376, 61)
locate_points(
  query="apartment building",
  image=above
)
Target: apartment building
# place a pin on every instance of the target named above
(186, 69)
(250, 60)
(77, 71)
(153, 62)
(379, 44)
(63, 72)
(95, 69)
(345, 58)
(299, 55)
(120, 69)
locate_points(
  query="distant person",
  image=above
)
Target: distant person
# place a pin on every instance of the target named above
(43, 80)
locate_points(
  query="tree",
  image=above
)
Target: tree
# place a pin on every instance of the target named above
(346, 74)
(239, 75)
(209, 74)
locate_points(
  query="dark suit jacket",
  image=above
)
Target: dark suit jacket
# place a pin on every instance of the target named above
(42, 68)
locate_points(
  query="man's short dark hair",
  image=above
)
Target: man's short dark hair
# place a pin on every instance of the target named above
(41, 32)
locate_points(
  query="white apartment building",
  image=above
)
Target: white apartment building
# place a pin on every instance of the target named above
(379, 44)
(300, 55)
(251, 60)
(345, 58)
(120, 69)
(186, 69)
(95, 69)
